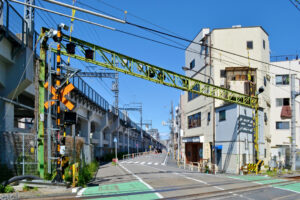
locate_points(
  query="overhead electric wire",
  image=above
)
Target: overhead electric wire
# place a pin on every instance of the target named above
(142, 27)
(296, 6)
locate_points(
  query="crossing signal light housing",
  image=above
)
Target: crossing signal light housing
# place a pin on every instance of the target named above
(71, 48)
(70, 118)
(89, 54)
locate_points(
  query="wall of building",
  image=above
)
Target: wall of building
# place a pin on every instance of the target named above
(211, 61)
(234, 138)
(280, 138)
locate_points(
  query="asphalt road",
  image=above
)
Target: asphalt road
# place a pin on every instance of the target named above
(156, 176)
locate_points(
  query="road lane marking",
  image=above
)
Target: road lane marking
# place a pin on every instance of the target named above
(149, 163)
(164, 163)
(79, 194)
(141, 180)
(142, 163)
(156, 163)
(136, 162)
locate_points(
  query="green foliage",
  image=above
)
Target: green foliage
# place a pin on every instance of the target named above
(68, 174)
(86, 173)
(26, 188)
(7, 189)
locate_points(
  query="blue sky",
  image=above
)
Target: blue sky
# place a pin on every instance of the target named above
(185, 18)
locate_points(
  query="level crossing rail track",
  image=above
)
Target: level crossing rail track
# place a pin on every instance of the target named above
(200, 195)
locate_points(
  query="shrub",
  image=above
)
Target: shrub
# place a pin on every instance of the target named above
(6, 189)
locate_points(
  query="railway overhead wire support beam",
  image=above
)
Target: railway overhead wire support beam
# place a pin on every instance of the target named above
(119, 62)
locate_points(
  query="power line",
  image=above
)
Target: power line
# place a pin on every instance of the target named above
(170, 35)
(294, 4)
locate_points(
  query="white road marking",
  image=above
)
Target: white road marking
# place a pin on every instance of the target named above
(164, 163)
(79, 194)
(136, 162)
(141, 180)
(142, 163)
(149, 163)
(156, 163)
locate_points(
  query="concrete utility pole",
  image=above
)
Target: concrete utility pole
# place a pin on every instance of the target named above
(294, 94)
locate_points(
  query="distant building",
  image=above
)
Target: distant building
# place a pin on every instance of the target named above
(154, 133)
(225, 70)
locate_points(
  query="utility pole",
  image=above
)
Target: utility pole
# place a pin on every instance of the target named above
(294, 94)
(172, 127)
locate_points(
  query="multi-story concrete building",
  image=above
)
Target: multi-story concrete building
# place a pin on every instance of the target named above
(228, 70)
(280, 115)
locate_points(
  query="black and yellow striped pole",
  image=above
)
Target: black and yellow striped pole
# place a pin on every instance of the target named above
(58, 122)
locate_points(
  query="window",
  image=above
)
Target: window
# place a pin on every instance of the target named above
(222, 73)
(282, 79)
(265, 81)
(222, 115)
(208, 117)
(192, 64)
(249, 44)
(192, 95)
(194, 120)
(265, 153)
(282, 125)
(282, 102)
(264, 44)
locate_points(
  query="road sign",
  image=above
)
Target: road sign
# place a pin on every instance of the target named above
(115, 139)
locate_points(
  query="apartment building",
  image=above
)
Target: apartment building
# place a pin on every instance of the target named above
(226, 70)
(280, 115)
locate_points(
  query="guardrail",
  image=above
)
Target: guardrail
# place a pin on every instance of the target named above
(203, 166)
(134, 155)
(14, 23)
(89, 92)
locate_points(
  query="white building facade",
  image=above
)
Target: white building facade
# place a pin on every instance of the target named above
(226, 70)
(280, 118)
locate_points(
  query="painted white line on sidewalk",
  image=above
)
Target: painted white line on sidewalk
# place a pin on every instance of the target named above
(79, 194)
(141, 180)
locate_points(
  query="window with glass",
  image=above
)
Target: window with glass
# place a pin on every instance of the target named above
(192, 64)
(282, 102)
(194, 120)
(192, 95)
(283, 125)
(222, 115)
(249, 44)
(264, 44)
(282, 79)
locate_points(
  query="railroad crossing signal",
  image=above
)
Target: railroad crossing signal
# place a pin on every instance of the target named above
(66, 90)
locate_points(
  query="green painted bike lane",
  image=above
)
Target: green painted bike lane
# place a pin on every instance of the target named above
(294, 187)
(122, 188)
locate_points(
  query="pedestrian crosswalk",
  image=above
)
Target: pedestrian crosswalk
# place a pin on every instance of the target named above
(141, 162)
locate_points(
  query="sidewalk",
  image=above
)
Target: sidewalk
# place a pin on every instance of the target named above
(114, 183)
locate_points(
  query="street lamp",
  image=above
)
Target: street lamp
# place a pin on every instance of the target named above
(213, 114)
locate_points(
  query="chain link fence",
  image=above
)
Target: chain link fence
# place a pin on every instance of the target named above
(18, 154)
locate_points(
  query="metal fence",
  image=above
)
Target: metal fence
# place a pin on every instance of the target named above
(19, 152)
(89, 92)
(14, 23)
